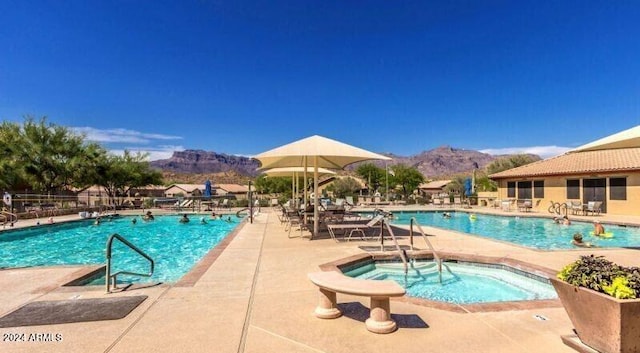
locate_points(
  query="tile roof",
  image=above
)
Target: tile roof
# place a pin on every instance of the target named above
(233, 188)
(436, 184)
(600, 161)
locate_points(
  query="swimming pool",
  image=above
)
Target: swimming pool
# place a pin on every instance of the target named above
(462, 283)
(174, 247)
(534, 232)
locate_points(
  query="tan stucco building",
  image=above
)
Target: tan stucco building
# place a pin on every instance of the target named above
(606, 170)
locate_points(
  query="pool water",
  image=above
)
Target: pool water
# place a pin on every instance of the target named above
(174, 247)
(462, 283)
(534, 232)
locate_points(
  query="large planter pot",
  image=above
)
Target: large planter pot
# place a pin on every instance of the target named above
(602, 322)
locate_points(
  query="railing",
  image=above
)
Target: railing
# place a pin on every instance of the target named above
(8, 217)
(114, 276)
(395, 242)
(436, 257)
(105, 208)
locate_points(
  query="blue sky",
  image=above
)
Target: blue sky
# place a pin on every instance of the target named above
(242, 77)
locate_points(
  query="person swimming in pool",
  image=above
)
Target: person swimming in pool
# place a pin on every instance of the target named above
(598, 229)
(184, 219)
(203, 220)
(446, 215)
(148, 216)
(577, 241)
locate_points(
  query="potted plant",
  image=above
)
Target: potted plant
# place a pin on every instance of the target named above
(600, 298)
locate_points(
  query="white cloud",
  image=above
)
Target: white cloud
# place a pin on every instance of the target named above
(155, 153)
(542, 151)
(121, 135)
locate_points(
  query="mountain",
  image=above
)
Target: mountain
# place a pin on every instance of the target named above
(440, 161)
(446, 160)
(201, 162)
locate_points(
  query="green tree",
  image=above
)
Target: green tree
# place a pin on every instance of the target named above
(509, 162)
(274, 185)
(409, 178)
(10, 138)
(372, 175)
(50, 156)
(342, 187)
(121, 173)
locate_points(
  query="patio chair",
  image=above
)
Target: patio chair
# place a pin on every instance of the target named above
(576, 207)
(353, 228)
(595, 207)
(225, 203)
(457, 201)
(524, 205)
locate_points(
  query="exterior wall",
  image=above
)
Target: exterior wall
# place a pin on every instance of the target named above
(555, 191)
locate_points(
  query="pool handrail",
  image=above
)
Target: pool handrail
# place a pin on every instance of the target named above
(395, 242)
(132, 247)
(436, 257)
(8, 217)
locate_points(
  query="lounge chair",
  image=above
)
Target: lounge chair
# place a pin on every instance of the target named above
(437, 202)
(446, 201)
(353, 228)
(182, 205)
(225, 203)
(457, 201)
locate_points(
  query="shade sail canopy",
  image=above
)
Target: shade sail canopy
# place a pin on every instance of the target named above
(291, 171)
(331, 154)
(318, 152)
(629, 138)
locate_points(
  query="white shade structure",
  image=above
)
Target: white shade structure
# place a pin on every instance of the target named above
(318, 152)
(292, 171)
(629, 138)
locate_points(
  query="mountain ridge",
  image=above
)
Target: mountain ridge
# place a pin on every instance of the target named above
(440, 161)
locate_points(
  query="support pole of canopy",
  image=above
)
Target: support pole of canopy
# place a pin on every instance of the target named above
(315, 197)
(293, 192)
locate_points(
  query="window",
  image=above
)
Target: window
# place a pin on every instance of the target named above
(524, 190)
(538, 189)
(573, 189)
(618, 188)
(511, 189)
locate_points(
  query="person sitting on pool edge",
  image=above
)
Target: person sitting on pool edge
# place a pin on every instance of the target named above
(184, 219)
(148, 216)
(598, 229)
(577, 241)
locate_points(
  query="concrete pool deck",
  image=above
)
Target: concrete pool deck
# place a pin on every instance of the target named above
(254, 296)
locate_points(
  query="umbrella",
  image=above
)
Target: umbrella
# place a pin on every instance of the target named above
(316, 151)
(295, 173)
(207, 189)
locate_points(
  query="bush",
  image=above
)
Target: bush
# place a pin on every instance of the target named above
(604, 276)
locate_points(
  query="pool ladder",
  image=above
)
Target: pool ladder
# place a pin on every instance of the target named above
(114, 276)
(436, 257)
(402, 253)
(8, 217)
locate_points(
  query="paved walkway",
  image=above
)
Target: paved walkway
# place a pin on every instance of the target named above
(255, 297)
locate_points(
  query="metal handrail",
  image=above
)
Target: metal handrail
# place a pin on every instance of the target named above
(134, 248)
(426, 240)
(393, 237)
(9, 217)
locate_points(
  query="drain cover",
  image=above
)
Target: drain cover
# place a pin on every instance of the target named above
(540, 317)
